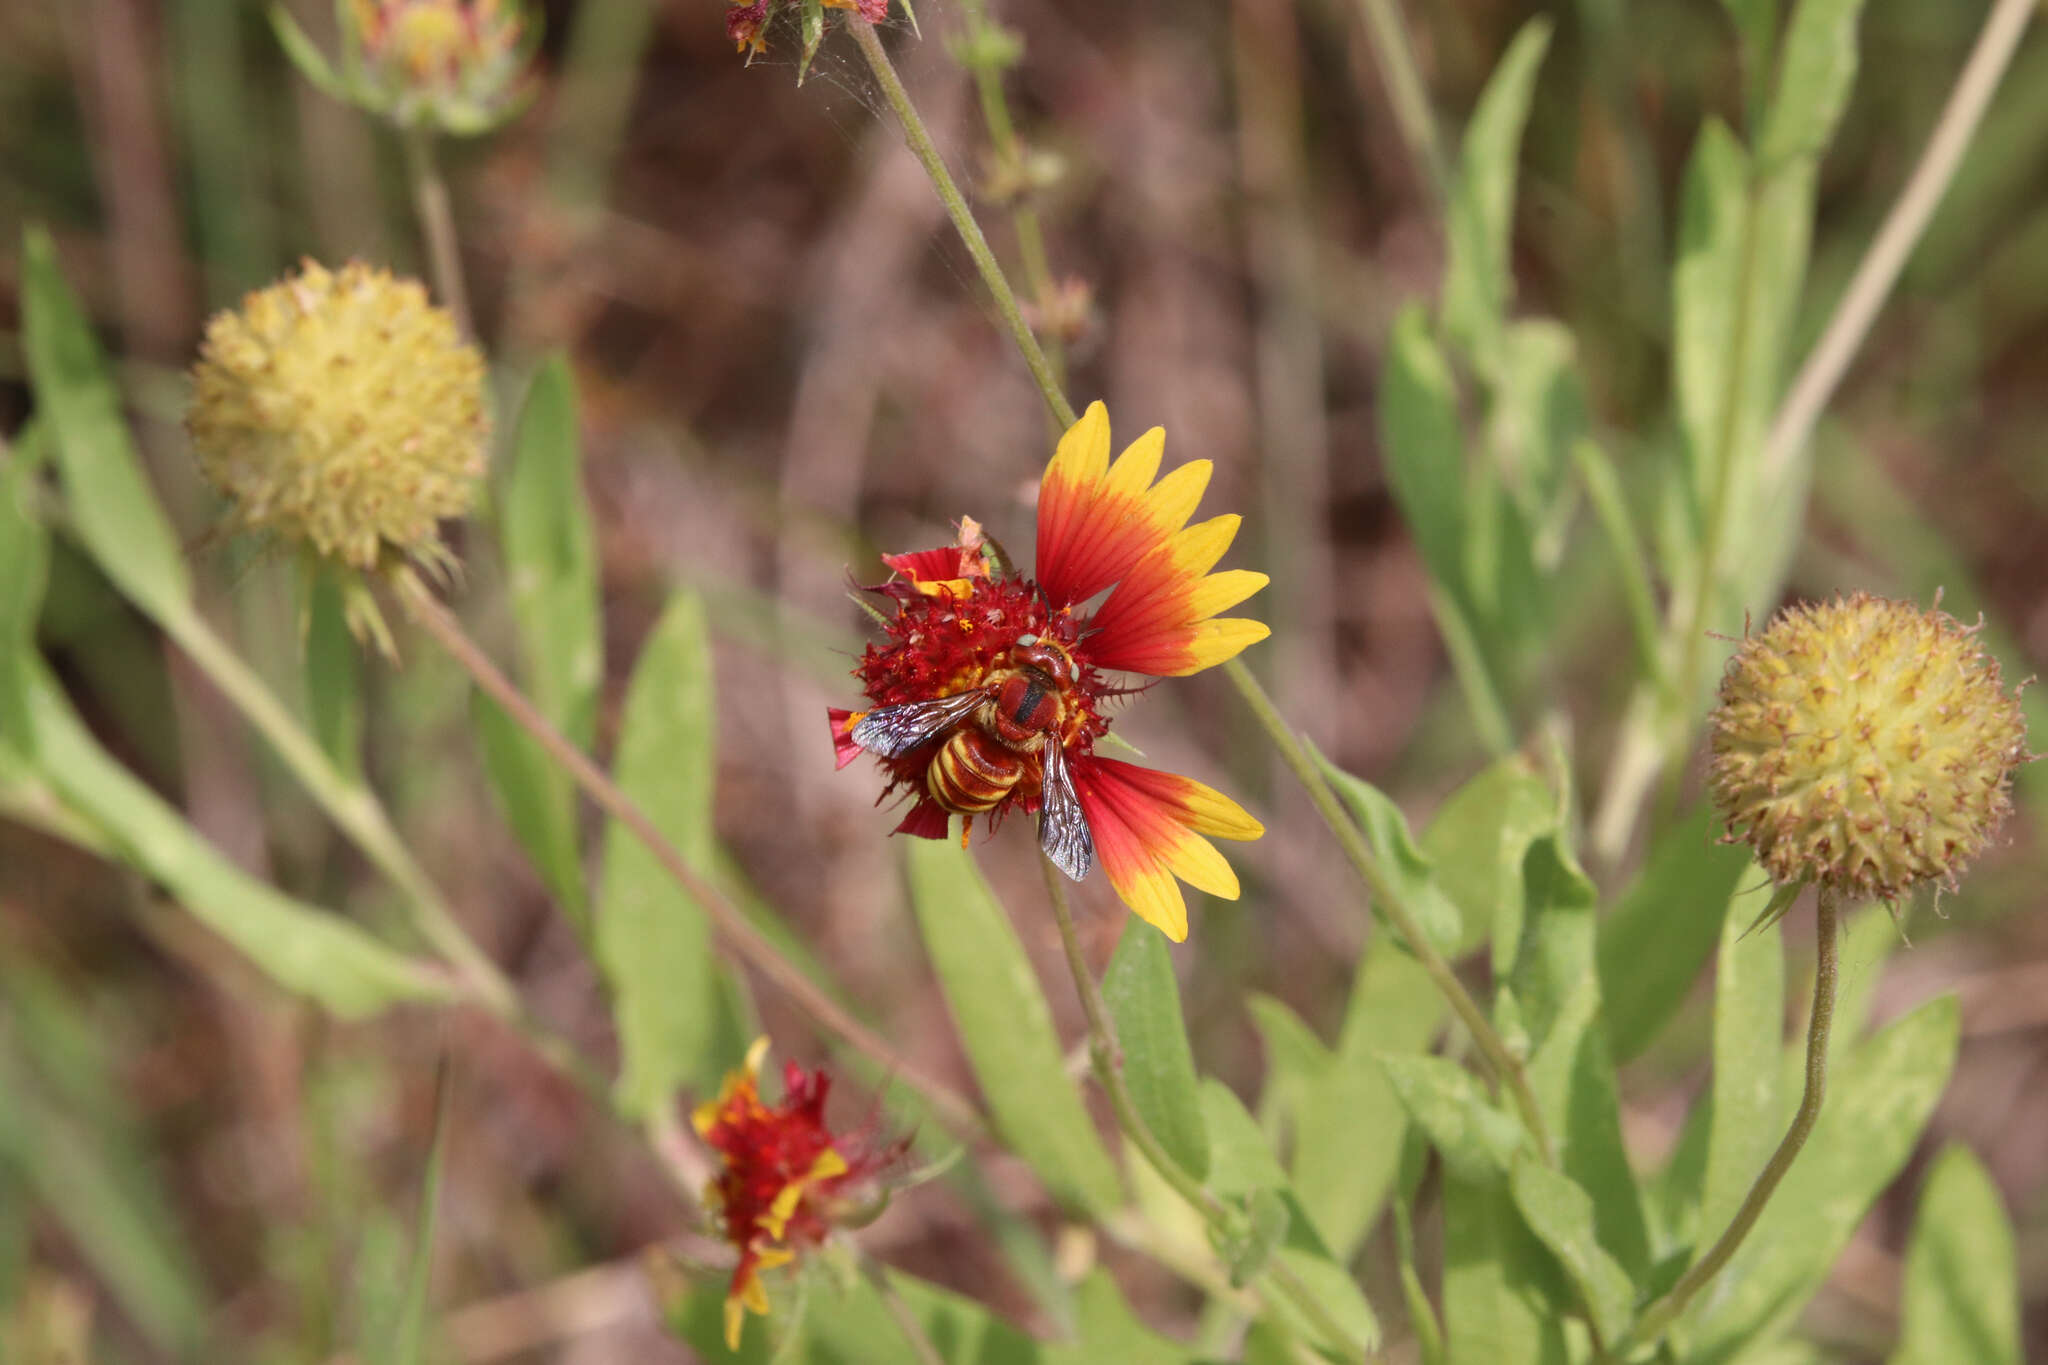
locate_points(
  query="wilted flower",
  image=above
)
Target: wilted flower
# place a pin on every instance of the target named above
(343, 411)
(787, 1179)
(1864, 745)
(454, 64)
(746, 22)
(989, 693)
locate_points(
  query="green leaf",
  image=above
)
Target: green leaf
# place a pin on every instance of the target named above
(1749, 1036)
(1756, 23)
(1503, 1301)
(303, 54)
(98, 1187)
(1267, 1220)
(1006, 1026)
(1631, 561)
(1561, 1215)
(1816, 70)
(320, 956)
(551, 556)
(24, 574)
(1242, 1164)
(1386, 831)
(1477, 841)
(537, 807)
(1663, 929)
(1558, 987)
(111, 505)
(1348, 1127)
(551, 579)
(1159, 1067)
(1961, 1299)
(811, 22)
(653, 939)
(1476, 1140)
(409, 1331)
(1876, 1109)
(1423, 447)
(1480, 214)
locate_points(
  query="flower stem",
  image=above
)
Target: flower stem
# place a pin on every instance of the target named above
(1659, 1315)
(437, 223)
(1106, 1059)
(1507, 1070)
(746, 941)
(1895, 240)
(922, 147)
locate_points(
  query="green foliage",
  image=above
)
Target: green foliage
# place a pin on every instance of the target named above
(1158, 1065)
(652, 939)
(1006, 1026)
(1960, 1300)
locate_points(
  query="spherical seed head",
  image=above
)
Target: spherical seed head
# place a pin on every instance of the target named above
(343, 410)
(1865, 745)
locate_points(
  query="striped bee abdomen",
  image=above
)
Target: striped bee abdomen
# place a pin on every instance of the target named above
(973, 771)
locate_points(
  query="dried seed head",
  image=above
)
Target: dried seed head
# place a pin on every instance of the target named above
(342, 410)
(1865, 745)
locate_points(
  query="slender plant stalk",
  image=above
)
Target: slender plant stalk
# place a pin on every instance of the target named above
(437, 224)
(905, 1317)
(921, 146)
(351, 806)
(1901, 231)
(1408, 95)
(1009, 150)
(1660, 1315)
(1107, 1060)
(363, 818)
(1507, 1070)
(746, 941)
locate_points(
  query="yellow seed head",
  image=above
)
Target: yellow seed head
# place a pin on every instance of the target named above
(343, 410)
(1864, 744)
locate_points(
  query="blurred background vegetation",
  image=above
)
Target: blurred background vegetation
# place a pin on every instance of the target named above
(786, 365)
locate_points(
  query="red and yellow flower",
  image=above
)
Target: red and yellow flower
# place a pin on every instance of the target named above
(787, 1178)
(966, 625)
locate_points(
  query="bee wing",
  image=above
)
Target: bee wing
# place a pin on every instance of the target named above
(1062, 825)
(893, 730)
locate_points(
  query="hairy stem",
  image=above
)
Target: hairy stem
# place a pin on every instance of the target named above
(919, 139)
(1106, 1058)
(1506, 1069)
(740, 935)
(437, 224)
(1661, 1314)
(1895, 240)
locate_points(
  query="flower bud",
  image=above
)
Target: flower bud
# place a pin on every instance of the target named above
(452, 64)
(1864, 745)
(343, 411)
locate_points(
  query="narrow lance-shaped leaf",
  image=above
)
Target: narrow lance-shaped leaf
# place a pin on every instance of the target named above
(317, 955)
(1749, 1031)
(653, 940)
(1815, 73)
(111, 504)
(1561, 1216)
(1386, 830)
(1961, 1298)
(1006, 1026)
(1661, 933)
(1159, 1067)
(1244, 1167)
(1480, 213)
(409, 1331)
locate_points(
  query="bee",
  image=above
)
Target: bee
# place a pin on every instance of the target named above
(992, 738)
